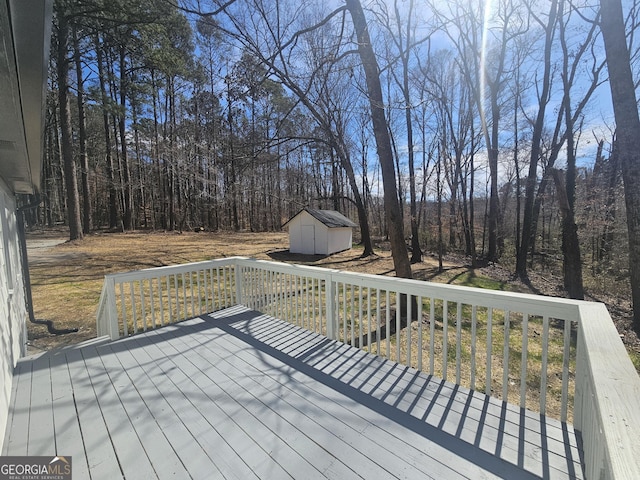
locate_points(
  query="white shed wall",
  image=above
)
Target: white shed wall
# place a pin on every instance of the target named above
(325, 240)
(340, 239)
(13, 312)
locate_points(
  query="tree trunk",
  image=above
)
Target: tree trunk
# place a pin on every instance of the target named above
(627, 132)
(416, 251)
(127, 214)
(111, 186)
(73, 200)
(494, 204)
(605, 246)
(572, 261)
(383, 143)
(529, 215)
(82, 140)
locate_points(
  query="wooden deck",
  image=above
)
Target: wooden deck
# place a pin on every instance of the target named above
(237, 394)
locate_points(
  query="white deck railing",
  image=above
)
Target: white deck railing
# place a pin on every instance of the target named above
(560, 357)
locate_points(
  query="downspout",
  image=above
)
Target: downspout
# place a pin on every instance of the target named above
(27, 276)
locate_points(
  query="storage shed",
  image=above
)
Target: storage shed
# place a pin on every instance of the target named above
(320, 232)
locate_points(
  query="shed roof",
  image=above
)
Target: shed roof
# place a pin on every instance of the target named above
(330, 218)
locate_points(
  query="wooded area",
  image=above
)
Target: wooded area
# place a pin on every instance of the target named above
(471, 127)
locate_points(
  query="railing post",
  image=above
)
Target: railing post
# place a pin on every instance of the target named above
(108, 312)
(330, 294)
(239, 283)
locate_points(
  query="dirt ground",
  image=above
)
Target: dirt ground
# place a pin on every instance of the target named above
(67, 277)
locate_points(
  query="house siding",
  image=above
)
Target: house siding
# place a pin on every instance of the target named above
(13, 312)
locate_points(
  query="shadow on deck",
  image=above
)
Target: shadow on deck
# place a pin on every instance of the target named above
(238, 394)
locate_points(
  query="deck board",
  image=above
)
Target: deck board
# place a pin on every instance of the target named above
(501, 429)
(240, 395)
(65, 416)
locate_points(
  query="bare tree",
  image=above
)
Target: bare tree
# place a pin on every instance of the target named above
(402, 35)
(383, 142)
(482, 38)
(62, 12)
(549, 28)
(627, 132)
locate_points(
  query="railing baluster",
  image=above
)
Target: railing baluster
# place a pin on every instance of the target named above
(202, 291)
(543, 368)
(369, 319)
(282, 297)
(287, 297)
(205, 278)
(432, 335)
(292, 305)
(388, 323)
(505, 356)
(279, 305)
(193, 306)
(488, 378)
(184, 297)
(143, 313)
(307, 303)
(250, 285)
(152, 302)
(409, 320)
(299, 302)
(565, 370)
(225, 285)
(474, 327)
(523, 361)
(161, 295)
(378, 321)
(299, 299)
(458, 340)
(268, 291)
(419, 317)
(352, 315)
(398, 324)
(211, 295)
(360, 316)
(311, 306)
(133, 308)
(445, 338)
(177, 296)
(123, 306)
(293, 297)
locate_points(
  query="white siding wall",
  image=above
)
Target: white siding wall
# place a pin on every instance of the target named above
(13, 314)
(295, 236)
(340, 239)
(322, 238)
(297, 243)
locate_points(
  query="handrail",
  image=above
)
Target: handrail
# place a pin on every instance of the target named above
(607, 393)
(499, 342)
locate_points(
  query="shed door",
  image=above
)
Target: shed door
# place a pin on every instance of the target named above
(308, 246)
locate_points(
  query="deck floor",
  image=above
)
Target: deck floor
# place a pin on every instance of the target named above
(238, 394)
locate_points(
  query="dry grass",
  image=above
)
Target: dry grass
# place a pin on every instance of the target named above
(67, 278)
